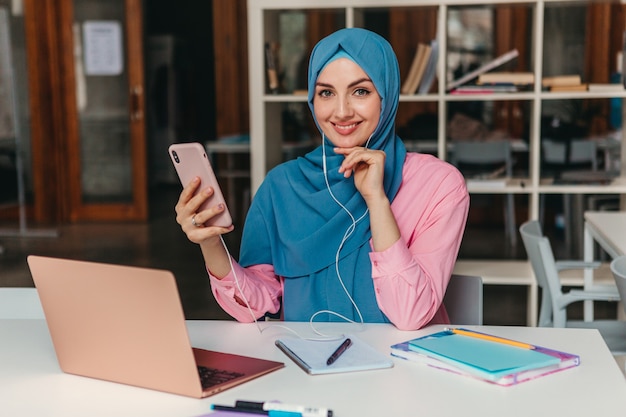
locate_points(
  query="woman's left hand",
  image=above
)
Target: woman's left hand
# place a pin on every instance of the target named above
(368, 168)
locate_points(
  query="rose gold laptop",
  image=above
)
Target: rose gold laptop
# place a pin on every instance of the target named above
(126, 324)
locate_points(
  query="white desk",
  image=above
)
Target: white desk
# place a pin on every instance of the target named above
(33, 385)
(514, 272)
(608, 228)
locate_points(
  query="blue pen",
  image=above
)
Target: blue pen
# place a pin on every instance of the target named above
(270, 413)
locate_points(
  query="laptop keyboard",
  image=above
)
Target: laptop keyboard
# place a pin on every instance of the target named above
(211, 376)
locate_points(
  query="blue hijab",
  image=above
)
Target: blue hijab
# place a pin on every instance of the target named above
(296, 226)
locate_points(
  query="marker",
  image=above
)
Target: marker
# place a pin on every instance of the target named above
(496, 339)
(270, 413)
(336, 354)
(278, 406)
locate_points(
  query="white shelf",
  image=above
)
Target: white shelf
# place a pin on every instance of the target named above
(265, 108)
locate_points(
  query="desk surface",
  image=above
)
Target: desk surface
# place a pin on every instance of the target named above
(609, 229)
(33, 385)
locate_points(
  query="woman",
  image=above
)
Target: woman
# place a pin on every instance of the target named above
(358, 229)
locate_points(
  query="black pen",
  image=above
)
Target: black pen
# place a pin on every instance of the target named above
(269, 413)
(336, 354)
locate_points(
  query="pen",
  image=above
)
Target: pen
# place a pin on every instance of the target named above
(270, 413)
(278, 406)
(492, 338)
(336, 354)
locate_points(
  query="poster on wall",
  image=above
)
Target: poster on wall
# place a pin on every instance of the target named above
(102, 47)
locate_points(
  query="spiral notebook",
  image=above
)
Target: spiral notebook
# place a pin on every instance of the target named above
(311, 355)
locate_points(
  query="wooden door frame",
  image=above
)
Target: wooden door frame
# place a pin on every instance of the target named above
(43, 52)
(230, 45)
(55, 132)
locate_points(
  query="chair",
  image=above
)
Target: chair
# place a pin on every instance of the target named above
(468, 156)
(20, 303)
(573, 160)
(618, 268)
(464, 300)
(554, 302)
(582, 154)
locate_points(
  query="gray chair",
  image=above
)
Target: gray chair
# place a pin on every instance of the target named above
(581, 152)
(618, 268)
(464, 300)
(579, 163)
(469, 156)
(20, 303)
(554, 301)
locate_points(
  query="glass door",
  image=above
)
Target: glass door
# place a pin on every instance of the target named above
(107, 163)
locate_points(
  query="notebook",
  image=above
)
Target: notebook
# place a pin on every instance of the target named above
(126, 324)
(312, 355)
(483, 356)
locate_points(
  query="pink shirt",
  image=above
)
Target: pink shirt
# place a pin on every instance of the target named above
(410, 277)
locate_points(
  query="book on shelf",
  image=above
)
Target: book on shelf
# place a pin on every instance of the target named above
(560, 80)
(420, 70)
(484, 356)
(271, 65)
(416, 71)
(419, 52)
(430, 72)
(515, 78)
(485, 89)
(499, 61)
(601, 87)
(564, 88)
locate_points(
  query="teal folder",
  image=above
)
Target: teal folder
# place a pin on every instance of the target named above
(502, 361)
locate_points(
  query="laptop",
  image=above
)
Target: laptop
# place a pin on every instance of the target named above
(126, 324)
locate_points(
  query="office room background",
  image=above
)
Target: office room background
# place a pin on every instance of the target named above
(84, 170)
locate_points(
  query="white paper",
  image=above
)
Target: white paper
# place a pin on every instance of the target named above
(103, 47)
(311, 355)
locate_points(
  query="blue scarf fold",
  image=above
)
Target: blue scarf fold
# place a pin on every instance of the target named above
(296, 226)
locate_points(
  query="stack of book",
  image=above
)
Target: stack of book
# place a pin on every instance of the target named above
(505, 82)
(471, 76)
(423, 69)
(483, 356)
(485, 88)
(561, 83)
(514, 78)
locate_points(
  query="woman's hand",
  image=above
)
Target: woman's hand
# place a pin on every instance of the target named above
(368, 168)
(191, 220)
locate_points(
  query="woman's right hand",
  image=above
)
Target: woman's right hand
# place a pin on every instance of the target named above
(192, 221)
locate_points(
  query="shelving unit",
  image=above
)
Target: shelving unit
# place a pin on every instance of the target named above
(265, 108)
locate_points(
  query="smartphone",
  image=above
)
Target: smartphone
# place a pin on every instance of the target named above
(190, 160)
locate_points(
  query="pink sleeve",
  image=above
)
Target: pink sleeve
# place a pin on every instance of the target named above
(410, 277)
(260, 287)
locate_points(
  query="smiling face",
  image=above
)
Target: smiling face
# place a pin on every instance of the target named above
(346, 104)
